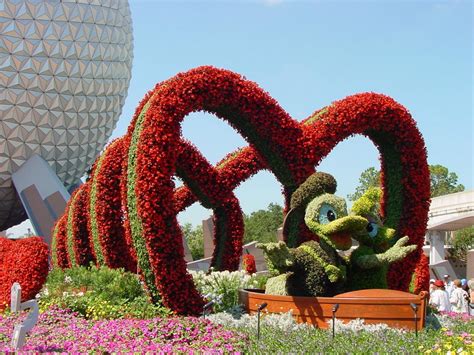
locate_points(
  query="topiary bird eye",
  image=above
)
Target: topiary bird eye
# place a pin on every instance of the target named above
(372, 228)
(331, 215)
(327, 213)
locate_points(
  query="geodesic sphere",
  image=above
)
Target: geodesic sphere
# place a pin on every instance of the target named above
(65, 67)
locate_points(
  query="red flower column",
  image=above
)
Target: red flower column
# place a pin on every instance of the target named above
(77, 227)
(59, 252)
(105, 209)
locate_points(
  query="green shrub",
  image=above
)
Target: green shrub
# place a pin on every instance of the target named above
(98, 293)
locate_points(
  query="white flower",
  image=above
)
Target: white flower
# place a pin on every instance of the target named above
(68, 279)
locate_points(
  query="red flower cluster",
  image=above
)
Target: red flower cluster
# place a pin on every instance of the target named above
(422, 274)
(24, 261)
(248, 262)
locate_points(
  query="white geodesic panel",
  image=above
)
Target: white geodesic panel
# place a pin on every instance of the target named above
(65, 67)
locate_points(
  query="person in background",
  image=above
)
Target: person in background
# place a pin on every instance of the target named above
(464, 285)
(448, 284)
(458, 298)
(439, 299)
(432, 286)
(470, 284)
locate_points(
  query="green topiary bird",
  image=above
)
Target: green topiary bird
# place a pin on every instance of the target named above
(314, 269)
(378, 246)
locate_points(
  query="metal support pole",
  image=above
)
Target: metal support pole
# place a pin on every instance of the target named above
(334, 310)
(259, 309)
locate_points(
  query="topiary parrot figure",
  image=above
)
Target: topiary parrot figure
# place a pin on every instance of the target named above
(314, 269)
(378, 246)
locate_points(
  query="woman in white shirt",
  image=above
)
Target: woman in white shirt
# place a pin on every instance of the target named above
(439, 298)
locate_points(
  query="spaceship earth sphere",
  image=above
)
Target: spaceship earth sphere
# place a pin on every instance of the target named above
(65, 67)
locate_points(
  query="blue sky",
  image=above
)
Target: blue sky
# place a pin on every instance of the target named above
(308, 54)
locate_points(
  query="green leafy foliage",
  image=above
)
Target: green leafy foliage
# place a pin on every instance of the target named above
(98, 293)
(262, 225)
(368, 205)
(93, 215)
(443, 182)
(462, 241)
(278, 285)
(370, 177)
(194, 237)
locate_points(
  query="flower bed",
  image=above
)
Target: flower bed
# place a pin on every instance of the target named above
(63, 331)
(280, 334)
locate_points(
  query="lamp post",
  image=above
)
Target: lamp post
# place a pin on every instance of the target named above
(259, 309)
(334, 310)
(415, 308)
(206, 307)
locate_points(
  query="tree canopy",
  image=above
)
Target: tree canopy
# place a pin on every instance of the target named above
(443, 181)
(262, 225)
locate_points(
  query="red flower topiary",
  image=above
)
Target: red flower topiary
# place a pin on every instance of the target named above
(105, 211)
(24, 261)
(248, 263)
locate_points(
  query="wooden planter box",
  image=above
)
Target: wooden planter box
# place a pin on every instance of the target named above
(374, 306)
